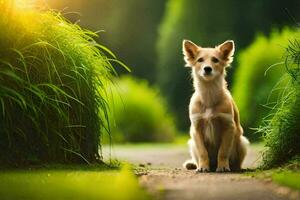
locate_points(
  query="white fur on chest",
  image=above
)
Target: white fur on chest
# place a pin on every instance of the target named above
(207, 115)
(209, 131)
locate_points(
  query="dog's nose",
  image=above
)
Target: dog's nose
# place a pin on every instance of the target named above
(207, 69)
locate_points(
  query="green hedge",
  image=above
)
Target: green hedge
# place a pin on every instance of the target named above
(259, 67)
(281, 130)
(140, 113)
(49, 72)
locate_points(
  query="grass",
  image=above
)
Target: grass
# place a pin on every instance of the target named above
(281, 130)
(53, 80)
(288, 175)
(62, 184)
(258, 76)
(287, 178)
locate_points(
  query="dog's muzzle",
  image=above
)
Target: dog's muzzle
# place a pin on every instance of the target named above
(207, 70)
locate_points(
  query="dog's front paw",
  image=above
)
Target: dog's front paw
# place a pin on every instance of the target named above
(223, 165)
(202, 170)
(223, 169)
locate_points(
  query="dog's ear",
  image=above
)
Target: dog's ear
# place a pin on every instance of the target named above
(227, 50)
(190, 51)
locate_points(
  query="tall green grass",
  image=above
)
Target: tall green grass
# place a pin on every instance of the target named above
(281, 130)
(53, 79)
(260, 66)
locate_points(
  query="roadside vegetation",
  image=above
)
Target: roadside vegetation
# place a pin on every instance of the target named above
(287, 178)
(54, 108)
(256, 85)
(53, 80)
(139, 113)
(281, 130)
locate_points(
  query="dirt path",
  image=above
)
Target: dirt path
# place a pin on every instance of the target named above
(161, 173)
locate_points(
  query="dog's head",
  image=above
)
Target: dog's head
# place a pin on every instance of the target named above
(208, 63)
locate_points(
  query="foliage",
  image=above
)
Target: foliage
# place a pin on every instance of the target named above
(140, 113)
(281, 130)
(70, 184)
(287, 178)
(260, 66)
(287, 175)
(129, 28)
(208, 23)
(49, 72)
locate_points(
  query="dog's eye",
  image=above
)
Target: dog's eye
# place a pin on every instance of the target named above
(200, 59)
(215, 60)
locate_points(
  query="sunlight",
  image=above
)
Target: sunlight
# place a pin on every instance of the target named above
(24, 4)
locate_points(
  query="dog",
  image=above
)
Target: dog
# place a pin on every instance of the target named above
(217, 142)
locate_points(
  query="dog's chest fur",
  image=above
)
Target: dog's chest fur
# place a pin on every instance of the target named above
(208, 127)
(207, 123)
(204, 111)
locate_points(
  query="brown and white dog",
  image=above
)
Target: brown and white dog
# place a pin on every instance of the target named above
(217, 142)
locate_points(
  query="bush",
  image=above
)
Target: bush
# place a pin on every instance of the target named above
(140, 113)
(281, 130)
(260, 66)
(49, 72)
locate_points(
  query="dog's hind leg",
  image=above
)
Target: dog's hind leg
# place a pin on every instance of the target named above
(239, 153)
(242, 150)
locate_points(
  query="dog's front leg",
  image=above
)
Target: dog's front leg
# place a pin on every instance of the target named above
(225, 149)
(202, 154)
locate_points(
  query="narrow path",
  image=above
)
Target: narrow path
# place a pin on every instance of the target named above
(160, 172)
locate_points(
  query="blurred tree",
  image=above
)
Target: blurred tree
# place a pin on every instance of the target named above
(209, 22)
(130, 28)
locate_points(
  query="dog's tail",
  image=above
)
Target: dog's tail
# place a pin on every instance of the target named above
(189, 165)
(244, 145)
